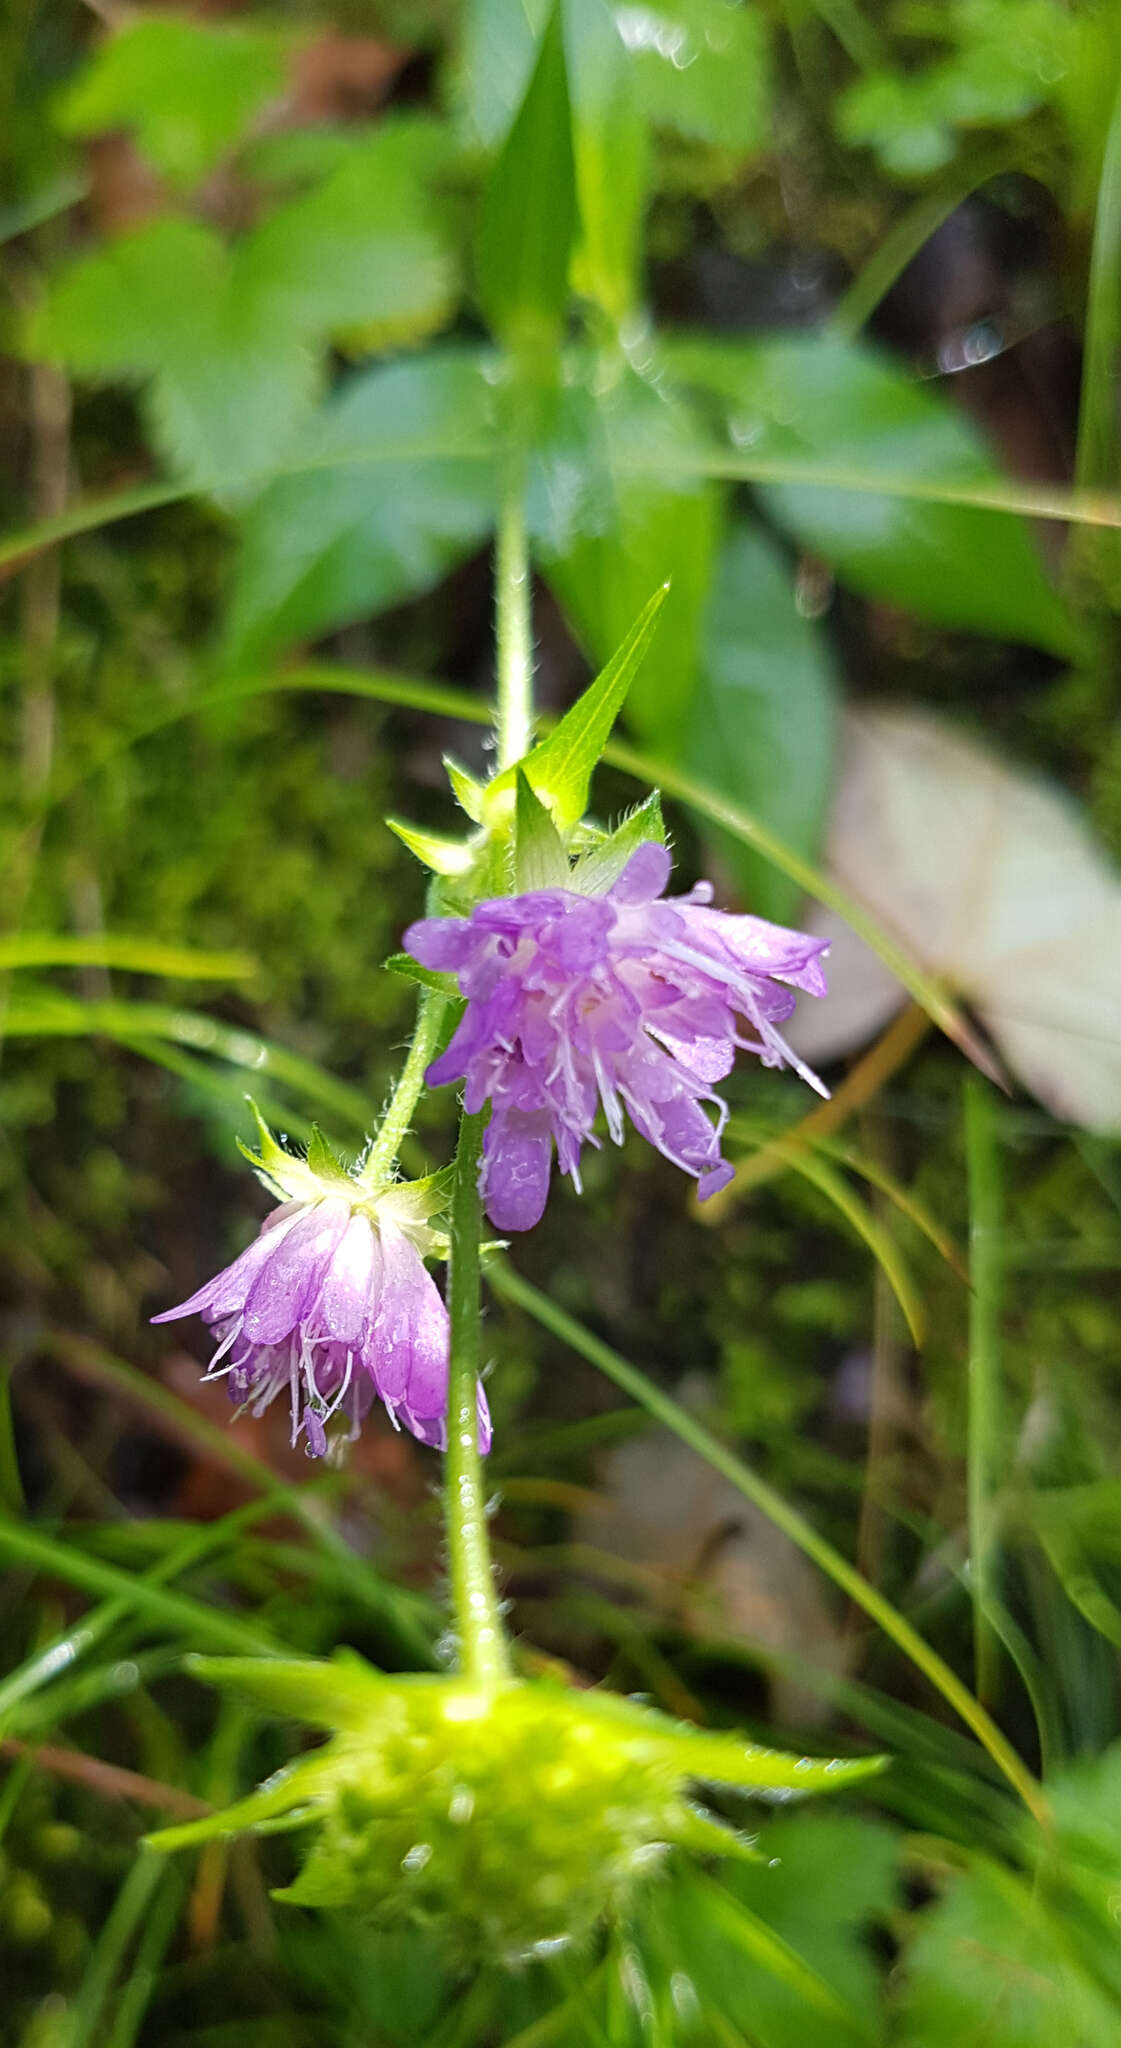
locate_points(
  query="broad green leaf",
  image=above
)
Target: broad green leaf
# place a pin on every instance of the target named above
(610, 151)
(618, 504)
(821, 400)
(189, 90)
(385, 506)
(365, 255)
(762, 720)
(229, 384)
(752, 1974)
(540, 861)
(529, 209)
(560, 769)
(1010, 57)
(825, 1883)
(703, 68)
(993, 1962)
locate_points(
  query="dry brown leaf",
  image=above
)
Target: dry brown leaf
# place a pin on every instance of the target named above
(994, 881)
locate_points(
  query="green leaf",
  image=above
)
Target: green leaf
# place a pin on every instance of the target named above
(702, 68)
(841, 406)
(602, 864)
(827, 1882)
(994, 1962)
(540, 861)
(366, 255)
(529, 210)
(610, 151)
(385, 506)
(229, 385)
(617, 504)
(189, 91)
(560, 769)
(762, 721)
(500, 40)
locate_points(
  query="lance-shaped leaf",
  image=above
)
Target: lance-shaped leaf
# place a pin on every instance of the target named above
(540, 861)
(609, 153)
(560, 769)
(529, 214)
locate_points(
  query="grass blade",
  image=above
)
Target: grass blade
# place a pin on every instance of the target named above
(986, 1264)
(665, 1410)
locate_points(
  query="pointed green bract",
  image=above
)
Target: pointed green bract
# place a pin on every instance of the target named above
(322, 1157)
(603, 863)
(427, 977)
(287, 1175)
(540, 861)
(443, 855)
(466, 788)
(560, 770)
(336, 1693)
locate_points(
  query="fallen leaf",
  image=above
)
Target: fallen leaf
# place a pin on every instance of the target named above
(994, 880)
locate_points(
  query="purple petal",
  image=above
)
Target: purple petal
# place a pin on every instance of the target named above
(315, 1433)
(342, 1308)
(226, 1294)
(293, 1274)
(408, 1344)
(758, 947)
(645, 875)
(443, 943)
(517, 1155)
(433, 1429)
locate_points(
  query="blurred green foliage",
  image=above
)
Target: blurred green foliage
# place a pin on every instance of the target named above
(329, 316)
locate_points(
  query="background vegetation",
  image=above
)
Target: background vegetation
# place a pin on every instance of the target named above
(816, 307)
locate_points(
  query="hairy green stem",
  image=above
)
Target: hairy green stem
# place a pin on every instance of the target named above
(513, 621)
(409, 1088)
(482, 1643)
(843, 1574)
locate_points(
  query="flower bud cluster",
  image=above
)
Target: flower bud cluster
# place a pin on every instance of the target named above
(510, 1820)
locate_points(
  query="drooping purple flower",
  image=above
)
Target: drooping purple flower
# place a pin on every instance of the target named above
(621, 999)
(329, 1307)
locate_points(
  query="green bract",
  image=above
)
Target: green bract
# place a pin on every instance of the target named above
(508, 1820)
(368, 1185)
(531, 830)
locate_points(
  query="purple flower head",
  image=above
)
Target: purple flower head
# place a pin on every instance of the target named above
(329, 1306)
(621, 999)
